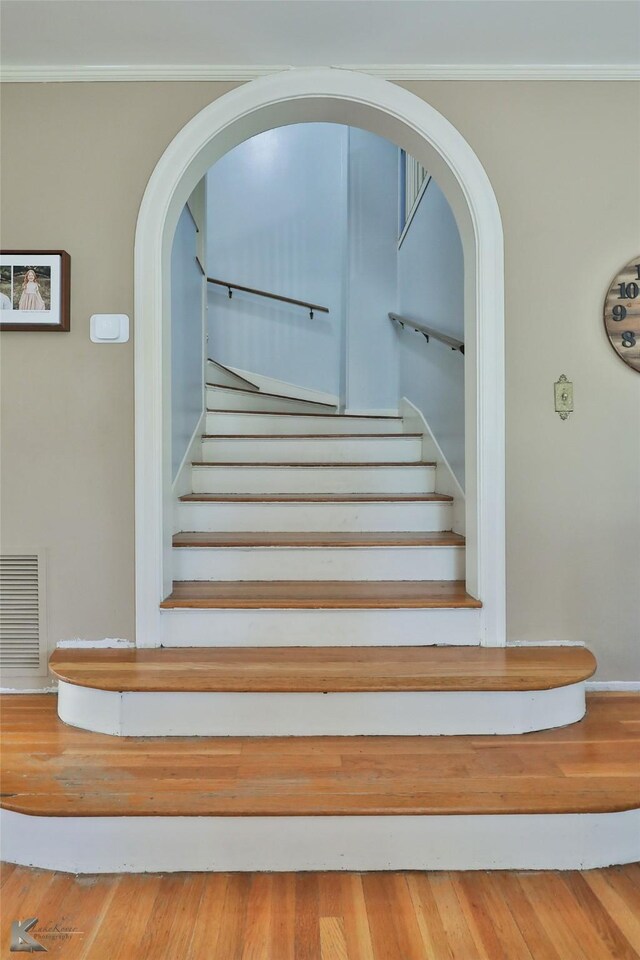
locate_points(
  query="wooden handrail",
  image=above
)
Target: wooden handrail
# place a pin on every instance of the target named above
(428, 332)
(311, 307)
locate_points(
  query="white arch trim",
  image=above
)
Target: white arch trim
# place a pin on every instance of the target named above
(338, 96)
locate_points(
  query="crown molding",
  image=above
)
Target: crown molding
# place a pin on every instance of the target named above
(234, 73)
(501, 71)
(134, 72)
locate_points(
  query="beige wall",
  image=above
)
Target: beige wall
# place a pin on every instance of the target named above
(564, 162)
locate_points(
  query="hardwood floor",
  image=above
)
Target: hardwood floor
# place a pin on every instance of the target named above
(49, 768)
(322, 669)
(592, 915)
(320, 594)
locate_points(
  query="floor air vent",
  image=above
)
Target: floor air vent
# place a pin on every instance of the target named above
(22, 646)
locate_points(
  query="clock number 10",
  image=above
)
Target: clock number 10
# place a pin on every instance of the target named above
(629, 291)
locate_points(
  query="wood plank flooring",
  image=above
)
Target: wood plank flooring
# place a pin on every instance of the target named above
(590, 915)
(322, 669)
(320, 594)
(49, 768)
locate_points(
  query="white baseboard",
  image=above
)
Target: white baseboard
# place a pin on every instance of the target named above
(107, 644)
(285, 389)
(182, 482)
(619, 686)
(414, 421)
(89, 844)
(545, 643)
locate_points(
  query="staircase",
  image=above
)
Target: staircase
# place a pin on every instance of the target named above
(319, 595)
(306, 527)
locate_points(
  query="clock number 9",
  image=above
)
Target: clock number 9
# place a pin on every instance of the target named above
(628, 338)
(619, 312)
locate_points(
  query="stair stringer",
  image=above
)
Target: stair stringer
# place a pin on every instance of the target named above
(414, 421)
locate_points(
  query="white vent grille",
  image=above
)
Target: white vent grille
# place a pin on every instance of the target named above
(22, 650)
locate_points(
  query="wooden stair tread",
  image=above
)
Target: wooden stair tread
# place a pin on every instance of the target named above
(51, 769)
(311, 436)
(317, 465)
(278, 396)
(320, 594)
(290, 413)
(324, 669)
(315, 539)
(316, 498)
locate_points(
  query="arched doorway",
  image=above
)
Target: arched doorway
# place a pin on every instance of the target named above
(346, 97)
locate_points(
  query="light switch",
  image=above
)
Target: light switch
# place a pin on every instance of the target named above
(109, 328)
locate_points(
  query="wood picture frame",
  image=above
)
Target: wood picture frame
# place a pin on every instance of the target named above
(35, 291)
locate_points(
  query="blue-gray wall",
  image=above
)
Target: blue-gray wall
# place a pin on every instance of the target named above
(372, 343)
(431, 289)
(309, 211)
(187, 361)
(276, 221)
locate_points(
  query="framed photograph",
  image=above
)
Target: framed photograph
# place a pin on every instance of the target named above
(35, 290)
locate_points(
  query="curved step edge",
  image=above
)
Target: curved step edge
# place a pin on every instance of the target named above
(380, 713)
(564, 841)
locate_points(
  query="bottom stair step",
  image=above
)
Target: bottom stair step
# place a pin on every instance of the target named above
(346, 613)
(563, 799)
(311, 691)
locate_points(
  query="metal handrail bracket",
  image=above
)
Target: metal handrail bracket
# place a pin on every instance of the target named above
(428, 332)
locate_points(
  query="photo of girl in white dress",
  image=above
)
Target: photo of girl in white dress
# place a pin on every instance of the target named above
(6, 289)
(31, 288)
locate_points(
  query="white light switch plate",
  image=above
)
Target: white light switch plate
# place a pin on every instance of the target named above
(109, 328)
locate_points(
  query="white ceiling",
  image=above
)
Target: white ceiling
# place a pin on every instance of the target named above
(38, 33)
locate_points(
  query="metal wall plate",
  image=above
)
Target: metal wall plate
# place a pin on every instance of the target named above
(563, 396)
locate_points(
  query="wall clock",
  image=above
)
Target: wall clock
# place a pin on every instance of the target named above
(622, 313)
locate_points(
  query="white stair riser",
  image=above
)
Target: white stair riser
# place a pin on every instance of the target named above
(317, 517)
(562, 841)
(376, 713)
(319, 628)
(319, 563)
(253, 423)
(220, 399)
(225, 378)
(316, 450)
(308, 479)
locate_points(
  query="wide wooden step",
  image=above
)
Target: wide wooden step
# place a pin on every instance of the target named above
(326, 594)
(443, 538)
(324, 669)
(82, 802)
(53, 770)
